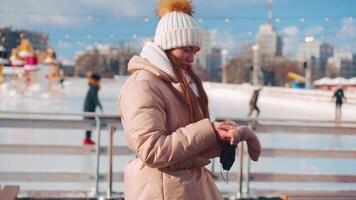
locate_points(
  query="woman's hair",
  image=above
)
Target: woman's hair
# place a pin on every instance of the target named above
(194, 103)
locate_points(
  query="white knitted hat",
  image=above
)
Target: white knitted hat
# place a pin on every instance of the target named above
(177, 28)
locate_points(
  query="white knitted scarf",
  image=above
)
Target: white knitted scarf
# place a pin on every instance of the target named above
(157, 57)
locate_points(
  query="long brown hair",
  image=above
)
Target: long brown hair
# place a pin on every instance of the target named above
(194, 103)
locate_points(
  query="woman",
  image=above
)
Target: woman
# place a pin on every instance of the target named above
(164, 111)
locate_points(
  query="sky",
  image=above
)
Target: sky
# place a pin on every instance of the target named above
(73, 25)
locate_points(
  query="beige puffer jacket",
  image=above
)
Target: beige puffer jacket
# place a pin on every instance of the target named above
(171, 151)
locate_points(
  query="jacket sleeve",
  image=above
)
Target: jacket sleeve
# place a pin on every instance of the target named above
(95, 96)
(143, 114)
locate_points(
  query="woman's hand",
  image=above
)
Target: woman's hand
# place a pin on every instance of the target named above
(222, 131)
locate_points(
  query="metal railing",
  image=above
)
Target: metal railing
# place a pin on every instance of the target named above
(313, 127)
(243, 176)
(38, 120)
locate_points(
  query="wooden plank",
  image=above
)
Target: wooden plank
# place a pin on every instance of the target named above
(57, 193)
(292, 194)
(230, 177)
(79, 114)
(320, 195)
(306, 122)
(288, 121)
(81, 124)
(46, 149)
(9, 192)
(271, 152)
(305, 192)
(47, 176)
(46, 123)
(65, 194)
(316, 178)
(294, 178)
(297, 129)
(120, 150)
(59, 149)
(74, 177)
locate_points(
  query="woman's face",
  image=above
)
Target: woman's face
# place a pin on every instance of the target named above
(184, 56)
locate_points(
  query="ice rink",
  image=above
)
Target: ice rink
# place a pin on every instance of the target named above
(226, 100)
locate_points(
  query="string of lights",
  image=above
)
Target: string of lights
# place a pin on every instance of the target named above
(226, 19)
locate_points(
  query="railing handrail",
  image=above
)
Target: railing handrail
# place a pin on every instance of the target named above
(278, 120)
(105, 115)
(82, 114)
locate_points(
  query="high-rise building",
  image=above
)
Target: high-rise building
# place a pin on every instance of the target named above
(209, 58)
(316, 54)
(206, 48)
(268, 41)
(214, 65)
(343, 63)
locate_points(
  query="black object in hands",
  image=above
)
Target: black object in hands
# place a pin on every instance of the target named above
(227, 155)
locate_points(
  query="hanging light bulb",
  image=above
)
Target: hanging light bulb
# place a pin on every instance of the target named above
(278, 20)
(90, 18)
(146, 19)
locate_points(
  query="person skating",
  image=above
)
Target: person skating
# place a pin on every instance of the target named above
(339, 100)
(253, 102)
(91, 102)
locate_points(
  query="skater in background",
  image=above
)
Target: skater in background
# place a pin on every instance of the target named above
(91, 102)
(253, 102)
(339, 98)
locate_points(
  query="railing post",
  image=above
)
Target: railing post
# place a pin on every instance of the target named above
(240, 169)
(250, 125)
(110, 156)
(97, 174)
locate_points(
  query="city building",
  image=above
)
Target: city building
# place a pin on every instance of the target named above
(215, 65)
(343, 64)
(209, 58)
(267, 39)
(206, 49)
(316, 54)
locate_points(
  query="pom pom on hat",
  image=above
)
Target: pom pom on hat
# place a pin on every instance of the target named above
(167, 6)
(176, 27)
